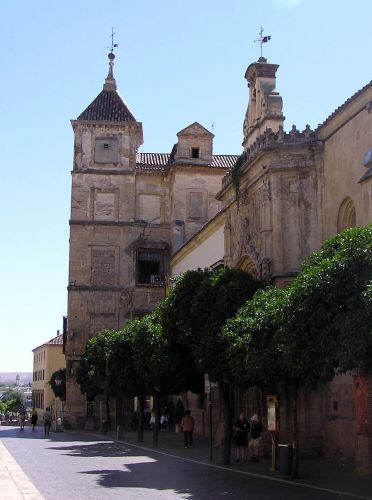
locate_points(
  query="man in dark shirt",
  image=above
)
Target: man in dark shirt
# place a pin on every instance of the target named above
(255, 438)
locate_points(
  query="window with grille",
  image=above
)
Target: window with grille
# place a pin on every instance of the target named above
(149, 267)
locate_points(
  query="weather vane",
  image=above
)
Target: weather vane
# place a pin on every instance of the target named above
(262, 39)
(113, 45)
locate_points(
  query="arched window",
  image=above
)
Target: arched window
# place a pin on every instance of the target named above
(346, 215)
(246, 264)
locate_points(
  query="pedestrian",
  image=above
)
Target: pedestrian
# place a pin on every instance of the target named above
(164, 422)
(34, 418)
(179, 414)
(241, 429)
(47, 417)
(152, 419)
(188, 428)
(22, 412)
(255, 438)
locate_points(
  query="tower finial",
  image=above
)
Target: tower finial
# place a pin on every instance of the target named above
(110, 83)
(262, 39)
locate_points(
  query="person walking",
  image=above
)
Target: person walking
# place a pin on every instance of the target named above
(152, 419)
(164, 422)
(255, 439)
(241, 429)
(34, 418)
(47, 417)
(22, 412)
(188, 428)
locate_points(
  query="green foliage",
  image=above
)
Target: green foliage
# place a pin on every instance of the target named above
(13, 395)
(59, 390)
(13, 405)
(328, 320)
(138, 358)
(219, 296)
(173, 314)
(254, 357)
(236, 175)
(320, 324)
(192, 317)
(92, 374)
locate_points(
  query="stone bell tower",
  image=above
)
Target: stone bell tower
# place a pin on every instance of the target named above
(265, 104)
(107, 137)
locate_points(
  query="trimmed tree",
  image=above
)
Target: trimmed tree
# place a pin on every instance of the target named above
(326, 324)
(93, 372)
(173, 314)
(255, 356)
(137, 362)
(192, 317)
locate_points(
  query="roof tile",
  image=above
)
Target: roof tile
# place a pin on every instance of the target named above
(108, 106)
(160, 161)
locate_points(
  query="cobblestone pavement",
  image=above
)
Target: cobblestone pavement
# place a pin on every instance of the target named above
(80, 466)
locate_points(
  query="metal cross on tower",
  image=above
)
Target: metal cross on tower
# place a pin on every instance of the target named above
(113, 45)
(262, 39)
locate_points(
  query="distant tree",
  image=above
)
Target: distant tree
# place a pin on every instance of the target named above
(59, 390)
(13, 405)
(13, 395)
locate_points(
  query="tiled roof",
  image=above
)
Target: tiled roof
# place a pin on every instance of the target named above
(56, 340)
(152, 161)
(108, 106)
(160, 161)
(224, 161)
(340, 108)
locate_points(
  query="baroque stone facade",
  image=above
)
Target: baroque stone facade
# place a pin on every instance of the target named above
(296, 189)
(129, 212)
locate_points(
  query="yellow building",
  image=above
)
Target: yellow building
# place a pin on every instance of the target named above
(48, 358)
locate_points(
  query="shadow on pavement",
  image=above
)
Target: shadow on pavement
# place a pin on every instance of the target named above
(28, 433)
(95, 449)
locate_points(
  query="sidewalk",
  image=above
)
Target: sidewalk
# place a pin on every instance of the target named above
(315, 472)
(15, 485)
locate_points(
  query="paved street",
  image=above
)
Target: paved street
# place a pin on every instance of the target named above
(80, 466)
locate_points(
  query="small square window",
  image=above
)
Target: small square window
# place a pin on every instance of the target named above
(105, 146)
(194, 152)
(149, 267)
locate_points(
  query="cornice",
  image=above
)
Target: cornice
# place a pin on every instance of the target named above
(79, 222)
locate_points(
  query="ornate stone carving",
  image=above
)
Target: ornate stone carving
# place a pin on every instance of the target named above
(265, 268)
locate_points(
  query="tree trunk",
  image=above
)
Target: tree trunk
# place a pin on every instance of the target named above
(141, 401)
(226, 412)
(108, 416)
(155, 430)
(296, 448)
(119, 411)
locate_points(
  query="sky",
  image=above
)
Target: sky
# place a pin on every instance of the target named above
(177, 62)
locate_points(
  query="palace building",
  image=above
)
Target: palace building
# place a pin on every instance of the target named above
(139, 218)
(130, 212)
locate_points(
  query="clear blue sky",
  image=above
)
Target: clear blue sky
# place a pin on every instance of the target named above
(178, 62)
